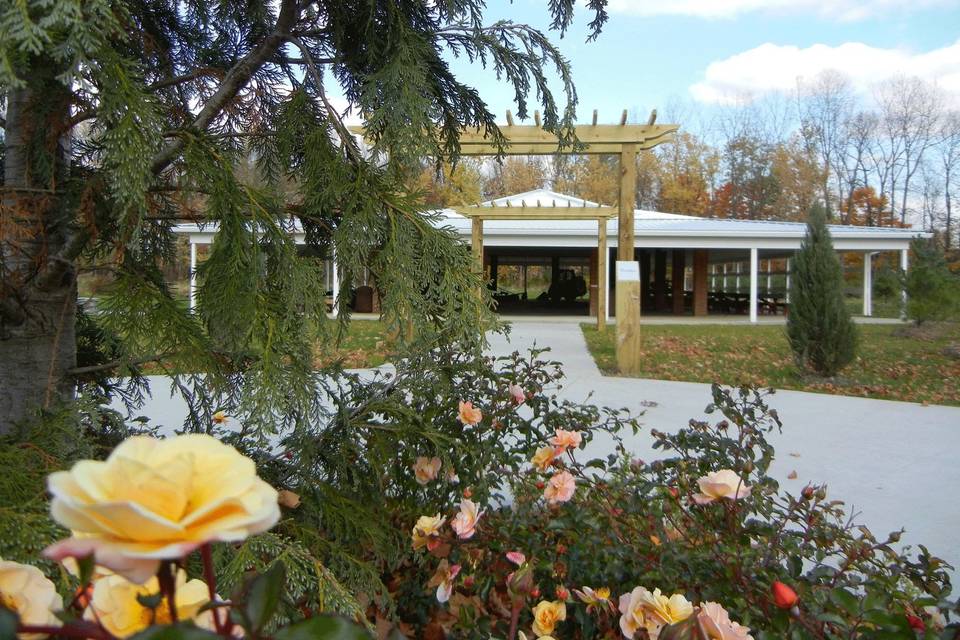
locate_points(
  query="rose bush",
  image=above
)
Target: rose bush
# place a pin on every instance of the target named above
(458, 499)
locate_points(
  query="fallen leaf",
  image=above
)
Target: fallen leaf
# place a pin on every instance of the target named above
(792, 475)
(288, 499)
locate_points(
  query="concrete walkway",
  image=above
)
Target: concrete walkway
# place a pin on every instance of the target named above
(897, 463)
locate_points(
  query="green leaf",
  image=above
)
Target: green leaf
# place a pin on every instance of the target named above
(323, 628)
(264, 596)
(8, 624)
(846, 601)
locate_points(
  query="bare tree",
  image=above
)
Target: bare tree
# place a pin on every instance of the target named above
(948, 156)
(825, 107)
(909, 112)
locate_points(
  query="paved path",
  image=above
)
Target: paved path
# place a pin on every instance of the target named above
(898, 463)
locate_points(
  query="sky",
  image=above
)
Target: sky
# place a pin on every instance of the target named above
(657, 53)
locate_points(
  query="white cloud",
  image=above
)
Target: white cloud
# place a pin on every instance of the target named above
(771, 68)
(845, 10)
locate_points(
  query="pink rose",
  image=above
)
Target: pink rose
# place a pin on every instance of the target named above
(717, 623)
(721, 484)
(426, 469)
(516, 557)
(560, 488)
(517, 394)
(465, 522)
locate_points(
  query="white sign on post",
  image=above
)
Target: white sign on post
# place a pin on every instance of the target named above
(628, 270)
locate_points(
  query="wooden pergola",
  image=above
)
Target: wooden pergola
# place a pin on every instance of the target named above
(622, 139)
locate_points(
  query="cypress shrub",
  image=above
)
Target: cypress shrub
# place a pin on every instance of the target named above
(933, 291)
(820, 330)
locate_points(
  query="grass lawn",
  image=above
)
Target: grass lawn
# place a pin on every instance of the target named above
(364, 345)
(889, 365)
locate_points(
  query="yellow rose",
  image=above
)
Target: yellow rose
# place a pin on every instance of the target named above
(546, 615)
(115, 605)
(28, 593)
(641, 609)
(427, 531)
(543, 458)
(158, 499)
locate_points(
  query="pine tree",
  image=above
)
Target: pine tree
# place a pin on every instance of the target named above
(933, 291)
(124, 117)
(820, 330)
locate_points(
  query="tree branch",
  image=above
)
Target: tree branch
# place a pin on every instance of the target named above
(193, 75)
(234, 81)
(113, 364)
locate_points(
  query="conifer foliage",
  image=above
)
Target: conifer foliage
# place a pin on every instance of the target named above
(125, 117)
(933, 291)
(820, 330)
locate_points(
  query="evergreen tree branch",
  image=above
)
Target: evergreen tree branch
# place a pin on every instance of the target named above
(234, 81)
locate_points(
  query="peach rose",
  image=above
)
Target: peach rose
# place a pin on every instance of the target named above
(715, 620)
(116, 606)
(443, 580)
(721, 484)
(546, 615)
(593, 598)
(221, 417)
(154, 499)
(426, 469)
(543, 458)
(469, 414)
(517, 394)
(563, 440)
(560, 488)
(465, 522)
(28, 593)
(426, 533)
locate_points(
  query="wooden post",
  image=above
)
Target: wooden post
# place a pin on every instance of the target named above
(476, 242)
(754, 261)
(601, 275)
(700, 258)
(677, 276)
(628, 318)
(628, 194)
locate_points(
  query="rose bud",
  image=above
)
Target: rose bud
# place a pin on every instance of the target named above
(916, 623)
(674, 492)
(468, 582)
(783, 596)
(468, 493)
(540, 485)
(807, 492)
(562, 593)
(535, 593)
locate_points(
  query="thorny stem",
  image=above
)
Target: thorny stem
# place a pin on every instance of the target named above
(514, 620)
(211, 577)
(168, 588)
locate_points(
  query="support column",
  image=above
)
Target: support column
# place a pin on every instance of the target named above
(904, 266)
(193, 275)
(753, 284)
(601, 275)
(627, 201)
(660, 280)
(700, 258)
(677, 274)
(645, 289)
(724, 280)
(738, 278)
(476, 242)
(787, 295)
(628, 320)
(868, 284)
(769, 277)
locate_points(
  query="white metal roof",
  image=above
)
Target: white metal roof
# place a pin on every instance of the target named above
(653, 229)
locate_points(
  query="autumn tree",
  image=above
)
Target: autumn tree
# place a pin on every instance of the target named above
(516, 174)
(687, 168)
(449, 184)
(120, 111)
(592, 177)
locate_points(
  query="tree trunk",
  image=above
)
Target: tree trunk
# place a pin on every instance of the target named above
(948, 203)
(39, 293)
